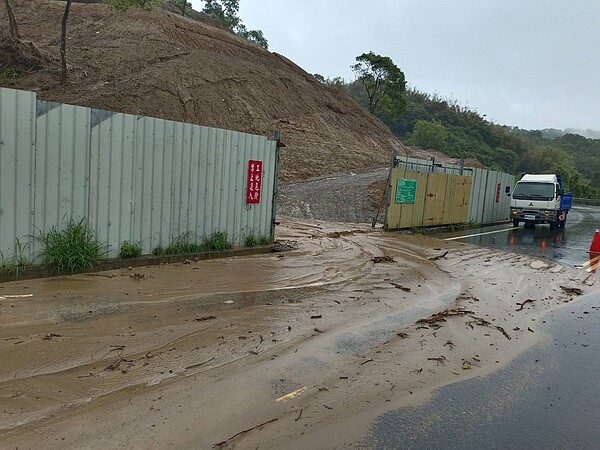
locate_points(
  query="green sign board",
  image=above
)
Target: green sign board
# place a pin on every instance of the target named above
(406, 190)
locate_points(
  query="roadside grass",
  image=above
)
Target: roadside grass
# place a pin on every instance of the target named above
(72, 248)
(15, 263)
(217, 242)
(251, 240)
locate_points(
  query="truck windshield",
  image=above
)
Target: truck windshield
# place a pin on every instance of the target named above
(534, 191)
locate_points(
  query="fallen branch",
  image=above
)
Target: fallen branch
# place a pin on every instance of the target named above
(299, 415)
(199, 364)
(441, 360)
(435, 258)
(503, 331)
(222, 443)
(399, 286)
(521, 305)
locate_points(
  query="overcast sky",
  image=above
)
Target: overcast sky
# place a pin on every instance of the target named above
(530, 63)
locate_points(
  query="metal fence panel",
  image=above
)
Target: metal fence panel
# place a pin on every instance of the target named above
(17, 162)
(131, 177)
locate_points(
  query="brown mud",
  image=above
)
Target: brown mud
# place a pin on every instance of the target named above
(313, 343)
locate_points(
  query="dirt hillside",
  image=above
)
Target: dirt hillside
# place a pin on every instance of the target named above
(161, 64)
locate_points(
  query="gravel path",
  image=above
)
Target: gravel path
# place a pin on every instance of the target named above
(342, 197)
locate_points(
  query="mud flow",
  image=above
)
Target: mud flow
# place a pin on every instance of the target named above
(149, 353)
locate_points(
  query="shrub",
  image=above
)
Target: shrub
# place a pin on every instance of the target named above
(72, 248)
(131, 249)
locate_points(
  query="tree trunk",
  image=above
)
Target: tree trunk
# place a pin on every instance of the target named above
(12, 21)
(63, 44)
(183, 7)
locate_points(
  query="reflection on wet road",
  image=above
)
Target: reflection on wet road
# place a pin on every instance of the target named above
(567, 246)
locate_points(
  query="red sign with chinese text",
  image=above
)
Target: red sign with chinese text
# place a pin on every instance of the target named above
(254, 181)
(498, 193)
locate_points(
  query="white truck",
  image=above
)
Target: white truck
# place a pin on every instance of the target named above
(539, 198)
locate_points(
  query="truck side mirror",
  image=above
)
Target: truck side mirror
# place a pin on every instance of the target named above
(507, 190)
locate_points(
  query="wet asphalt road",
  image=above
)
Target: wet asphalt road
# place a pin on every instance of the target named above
(546, 398)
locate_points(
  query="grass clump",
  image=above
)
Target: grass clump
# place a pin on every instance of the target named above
(179, 245)
(130, 249)
(73, 248)
(15, 263)
(217, 242)
(9, 73)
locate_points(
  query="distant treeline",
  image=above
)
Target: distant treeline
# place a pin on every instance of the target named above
(433, 122)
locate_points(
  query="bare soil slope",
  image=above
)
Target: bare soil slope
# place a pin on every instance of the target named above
(163, 65)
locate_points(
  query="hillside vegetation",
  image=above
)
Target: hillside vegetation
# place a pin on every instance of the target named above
(432, 122)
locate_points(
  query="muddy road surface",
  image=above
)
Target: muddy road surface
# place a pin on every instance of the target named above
(299, 349)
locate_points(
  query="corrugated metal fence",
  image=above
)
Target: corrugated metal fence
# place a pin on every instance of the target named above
(131, 177)
(487, 200)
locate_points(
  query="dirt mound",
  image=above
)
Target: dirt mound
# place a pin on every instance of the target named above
(163, 65)
(22, 56)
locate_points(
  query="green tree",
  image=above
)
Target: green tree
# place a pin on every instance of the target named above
(430, 135)
(226, 12)
(383, 82)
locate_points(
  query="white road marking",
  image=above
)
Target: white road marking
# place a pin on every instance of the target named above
(477, 234)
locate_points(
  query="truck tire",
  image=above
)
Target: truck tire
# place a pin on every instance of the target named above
(515, 223)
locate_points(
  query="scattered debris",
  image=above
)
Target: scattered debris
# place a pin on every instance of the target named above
(572, 290)
(222, 443)
(205, 318)
(383, 259)
(317, 330)
(138, 276)
(318, 316)
(529, 329)
(343, 378)
(441, 316)
(521, 305)
(399, 286)
(416, 371)
(466, 366)
(50, 336)
(367, 361)
(402, 335)
(484, 323)
(299, 415)
(435, 258)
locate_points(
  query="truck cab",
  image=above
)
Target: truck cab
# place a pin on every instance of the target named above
(539, 198)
